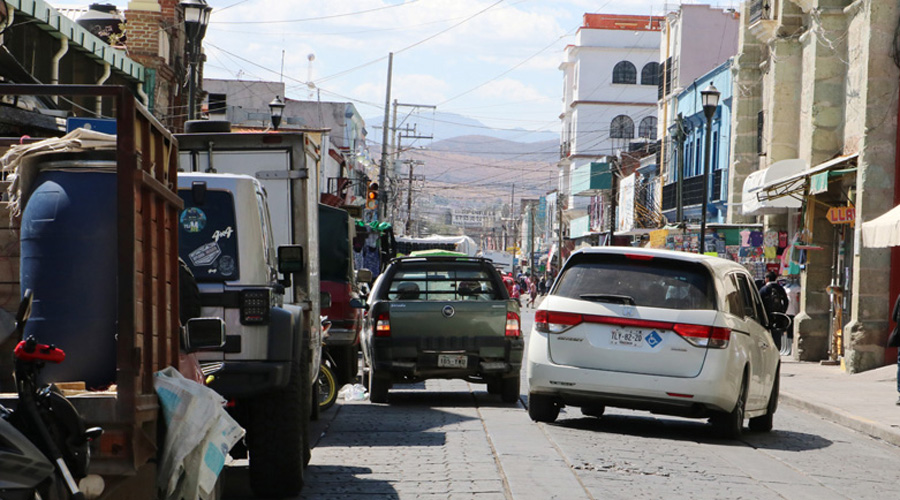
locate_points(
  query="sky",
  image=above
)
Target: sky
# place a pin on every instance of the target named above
(492, 60)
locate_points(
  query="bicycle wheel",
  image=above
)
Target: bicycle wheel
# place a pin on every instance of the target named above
(327, 387)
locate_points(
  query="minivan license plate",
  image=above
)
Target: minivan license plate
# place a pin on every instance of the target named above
(631, 338)
(453, 360)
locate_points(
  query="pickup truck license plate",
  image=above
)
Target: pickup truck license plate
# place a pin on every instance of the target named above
(452, 360)
(630, 338)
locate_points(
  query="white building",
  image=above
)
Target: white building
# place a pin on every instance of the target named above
(610, 81)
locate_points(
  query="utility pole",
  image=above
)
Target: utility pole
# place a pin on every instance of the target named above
(531, 242)
(679, 169)
(382, 189)
(614, 199)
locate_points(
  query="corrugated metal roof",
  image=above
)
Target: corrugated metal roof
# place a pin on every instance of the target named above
(59, 25)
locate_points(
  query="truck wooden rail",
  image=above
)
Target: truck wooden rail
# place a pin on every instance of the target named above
(148, 321)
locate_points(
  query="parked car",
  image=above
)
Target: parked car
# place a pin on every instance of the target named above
(442, 317)
(668, 332)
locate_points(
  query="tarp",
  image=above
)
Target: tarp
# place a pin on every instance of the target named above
(884, 231)
(755, 183)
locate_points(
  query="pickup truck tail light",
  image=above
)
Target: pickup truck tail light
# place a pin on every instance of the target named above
(383, 325)
(513, 325)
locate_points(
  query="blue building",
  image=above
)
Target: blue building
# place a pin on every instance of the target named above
(688, 162)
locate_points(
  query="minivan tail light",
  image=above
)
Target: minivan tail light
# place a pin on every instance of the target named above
(555, 321)
(383, 325)
(704, 335)
(513, 325)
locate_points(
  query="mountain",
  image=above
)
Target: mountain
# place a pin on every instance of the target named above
(442, 126)
(491, 147)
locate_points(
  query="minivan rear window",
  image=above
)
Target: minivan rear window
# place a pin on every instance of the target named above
(656, 282)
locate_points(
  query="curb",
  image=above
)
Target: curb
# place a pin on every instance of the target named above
(841, 417)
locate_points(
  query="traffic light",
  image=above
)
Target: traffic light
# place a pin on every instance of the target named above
(372, 196)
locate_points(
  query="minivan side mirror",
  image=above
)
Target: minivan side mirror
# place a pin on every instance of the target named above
(779, 321)
(204, 334)
(364, 275)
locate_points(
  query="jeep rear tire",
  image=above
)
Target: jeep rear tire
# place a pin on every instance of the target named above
(346, 359)
(278, 436)
(378, 387)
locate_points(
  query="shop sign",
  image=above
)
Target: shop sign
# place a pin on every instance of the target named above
(841, 215)
(658, 238)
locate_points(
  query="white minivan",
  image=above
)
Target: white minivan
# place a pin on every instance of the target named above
(668, 332)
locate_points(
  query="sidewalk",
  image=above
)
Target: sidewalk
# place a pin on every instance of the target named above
(864, 402)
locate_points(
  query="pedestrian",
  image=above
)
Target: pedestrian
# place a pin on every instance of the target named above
(775, 300)
(542, 286)
(894, 340)
(532, 291)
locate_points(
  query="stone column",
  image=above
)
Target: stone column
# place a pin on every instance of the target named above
(871, 120)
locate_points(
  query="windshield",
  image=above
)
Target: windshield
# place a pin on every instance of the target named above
(207, 236)
(656, 282)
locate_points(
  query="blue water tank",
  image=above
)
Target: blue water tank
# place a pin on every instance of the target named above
(69, 261)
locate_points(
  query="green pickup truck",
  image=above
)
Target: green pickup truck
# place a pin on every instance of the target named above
(442, 317)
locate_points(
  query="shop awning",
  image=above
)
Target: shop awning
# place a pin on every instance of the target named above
(755, 199)
(788, 189)
(883, 231)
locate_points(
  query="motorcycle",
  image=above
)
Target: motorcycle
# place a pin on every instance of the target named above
(326, 381)
(48, 442)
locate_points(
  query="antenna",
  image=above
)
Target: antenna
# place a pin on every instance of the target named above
(309, 75)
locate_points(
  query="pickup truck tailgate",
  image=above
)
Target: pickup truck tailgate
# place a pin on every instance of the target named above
(447, 325)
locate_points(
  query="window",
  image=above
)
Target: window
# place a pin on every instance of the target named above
(624, 72)
(648, 128)
(760, 120)
(733, 300)
(622, 127)
(218, 103)
(715, 151)
(650, 74)
(659, 282)
(207, 236)
(442, 281)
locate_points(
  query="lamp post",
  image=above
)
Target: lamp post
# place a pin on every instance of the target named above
(276, 109)
(196, 19)
(710, 98)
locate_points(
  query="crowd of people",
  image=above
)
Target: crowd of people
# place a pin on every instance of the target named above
(527, 284)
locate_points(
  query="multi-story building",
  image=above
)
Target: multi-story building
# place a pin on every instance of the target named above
(610, 81)
(816, 85)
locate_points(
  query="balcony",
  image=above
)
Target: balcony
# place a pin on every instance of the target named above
(692, 191)
(761, 16)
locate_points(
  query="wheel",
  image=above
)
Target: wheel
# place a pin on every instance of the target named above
(346, 360)
(542, 408)
(494, 385)
(509, 391)
(327, 388)
(277, 436)
(730, 425)
(593, 410)
(763, 423)
(314, 396)
(378, 387)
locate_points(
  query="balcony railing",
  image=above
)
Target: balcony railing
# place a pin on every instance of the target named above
(692, 191)
(759, 10)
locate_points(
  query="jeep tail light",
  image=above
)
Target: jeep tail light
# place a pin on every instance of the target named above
(255, 304)
(703, 335)
(383, 325)
(513, 325)
(555, 321)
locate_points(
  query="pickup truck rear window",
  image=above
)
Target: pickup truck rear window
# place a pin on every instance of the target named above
(207, 235)
(657, 282)
(441, 282)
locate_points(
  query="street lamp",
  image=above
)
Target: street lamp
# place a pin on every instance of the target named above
(196, 19)
(276, 108)
(710, 98)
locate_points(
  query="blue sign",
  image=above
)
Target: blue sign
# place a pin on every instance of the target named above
(653, 339)
(104, 125)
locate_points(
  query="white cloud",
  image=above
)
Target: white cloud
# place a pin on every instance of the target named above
(508, 89)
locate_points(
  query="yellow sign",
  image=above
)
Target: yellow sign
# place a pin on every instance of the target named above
(841, 215)
(658, 238)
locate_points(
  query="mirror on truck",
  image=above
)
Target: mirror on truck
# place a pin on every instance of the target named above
(290, 261)
(364, 275)
(204, 334)
(357, 304)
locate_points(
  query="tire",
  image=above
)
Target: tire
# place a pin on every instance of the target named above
(278, 436)
(764, 423)
(542, 408)
(314, 410)
(206, 126)
(510, 388)
(730, 425)
(593, 410)
(346, 360)
(327, 388)
(494, 385)
(378, 387)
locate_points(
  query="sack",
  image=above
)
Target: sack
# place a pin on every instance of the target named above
(894, 338)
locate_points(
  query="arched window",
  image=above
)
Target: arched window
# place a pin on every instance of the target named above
(647, 128)
(621, 127)
(624, 72)
(650, 74)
